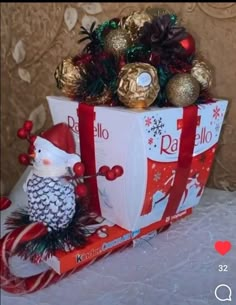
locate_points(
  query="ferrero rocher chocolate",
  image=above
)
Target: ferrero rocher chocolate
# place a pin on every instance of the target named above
(182, 90)
(138, 85)
(202, 73)
(69, 77)
(117, 41)
(133, 23)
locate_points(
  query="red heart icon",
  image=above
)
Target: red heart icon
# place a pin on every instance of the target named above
(223, 247)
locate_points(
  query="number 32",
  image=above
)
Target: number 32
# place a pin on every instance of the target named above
(223, 268)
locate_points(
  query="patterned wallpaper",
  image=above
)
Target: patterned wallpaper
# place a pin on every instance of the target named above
(35, 37)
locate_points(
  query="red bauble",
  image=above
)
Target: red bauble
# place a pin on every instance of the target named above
(32, 138)
(24, 159)
(110, 175)
(79, 169)
(188, 44)
(28, 125)
(118, 170)
(81, 190)
(103, 170)
(22, 133)
(4, 203)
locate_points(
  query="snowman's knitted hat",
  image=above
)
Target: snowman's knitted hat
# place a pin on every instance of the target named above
(60, 135)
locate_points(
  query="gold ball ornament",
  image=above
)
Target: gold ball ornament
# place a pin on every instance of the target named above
(134, 22)
(182, 90)
(138, 85)
(117, 41)
(202, 73)
(69, 78)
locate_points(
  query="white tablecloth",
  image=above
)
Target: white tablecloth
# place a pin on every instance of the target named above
(177, 267)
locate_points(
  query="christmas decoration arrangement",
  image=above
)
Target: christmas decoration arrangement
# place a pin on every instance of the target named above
(146, 58)
(56, 217)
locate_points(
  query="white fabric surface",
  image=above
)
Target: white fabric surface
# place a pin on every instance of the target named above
(177, 267)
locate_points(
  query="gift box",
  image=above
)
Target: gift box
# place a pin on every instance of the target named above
(105, 239)
(166, 155)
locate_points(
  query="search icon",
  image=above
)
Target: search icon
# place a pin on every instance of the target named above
(220, 288)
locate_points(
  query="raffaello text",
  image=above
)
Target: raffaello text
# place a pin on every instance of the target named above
(99, 130)
(170, 145)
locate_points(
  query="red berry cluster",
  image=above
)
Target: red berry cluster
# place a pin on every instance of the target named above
(79, 170)
(24, 133)
(111, 173)
(81, 188)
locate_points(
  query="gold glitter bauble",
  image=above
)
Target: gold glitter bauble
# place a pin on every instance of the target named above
(117, 41)
(138, 85)
(69, 78)
(134, 22)
(202, 73)
(182, 90)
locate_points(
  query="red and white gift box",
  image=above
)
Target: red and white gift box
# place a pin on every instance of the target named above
(166, 154)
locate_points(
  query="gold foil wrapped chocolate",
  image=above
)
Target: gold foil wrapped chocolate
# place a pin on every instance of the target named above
(138, 85)
(117, 41)
(69, 78)
(182, 90)
(134, 22)
(202, 73)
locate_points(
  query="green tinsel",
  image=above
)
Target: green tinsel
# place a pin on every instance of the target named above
(100, 75)
(173, 19)
(100, 29)
(44, 247)
(137, 53)
(164, 75)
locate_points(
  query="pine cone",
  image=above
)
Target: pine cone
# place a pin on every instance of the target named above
(163, 37)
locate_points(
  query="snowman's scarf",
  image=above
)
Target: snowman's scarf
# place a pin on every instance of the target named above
(42, 248)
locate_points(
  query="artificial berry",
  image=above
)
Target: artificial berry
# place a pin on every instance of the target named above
(103, 170)
(22, 133)
(110, 175)
(24, 159)
(28, 125)
(81, 190)
(32, 138)
(4, 203)
(79, 169)
(31, 149)
(118, 170)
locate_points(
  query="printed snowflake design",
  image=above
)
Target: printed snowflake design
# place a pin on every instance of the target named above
(157, 176)
(216, 112)
(148, 121)
(157, 126)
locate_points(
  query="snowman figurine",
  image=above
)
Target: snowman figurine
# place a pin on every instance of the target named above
(51, 197)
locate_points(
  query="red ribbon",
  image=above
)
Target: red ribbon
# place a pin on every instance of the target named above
(187, 140)
(86, 115)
